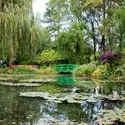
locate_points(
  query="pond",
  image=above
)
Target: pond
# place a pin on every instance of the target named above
(22, 110)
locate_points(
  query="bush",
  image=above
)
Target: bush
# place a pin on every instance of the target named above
(24, 63)
(110, 58)
(92, 57)
(97, 63)
(47, 57)
(99, 72)
(3, 70)
(85, 70)
(120, 71)
(47, 70)
(23, 70)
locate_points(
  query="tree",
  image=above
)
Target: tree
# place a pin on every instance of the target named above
(100, 16)
(54, 15)
(100, 21)
(72, 45)
(47, 57)
(119, 17)
(19, 36)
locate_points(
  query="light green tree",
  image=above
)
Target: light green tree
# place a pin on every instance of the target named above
(19, 36)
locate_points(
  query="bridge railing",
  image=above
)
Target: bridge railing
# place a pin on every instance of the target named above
(65, 68)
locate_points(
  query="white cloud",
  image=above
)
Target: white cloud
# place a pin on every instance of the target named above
(39, 6)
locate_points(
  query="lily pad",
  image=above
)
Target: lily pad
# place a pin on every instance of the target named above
(58, 98)
(109, 117)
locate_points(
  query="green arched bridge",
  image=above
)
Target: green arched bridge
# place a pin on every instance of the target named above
(65, 68)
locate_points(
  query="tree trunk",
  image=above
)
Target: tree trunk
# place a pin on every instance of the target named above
(94, 39)
(120, 41)
(104, 16)
(11, 52)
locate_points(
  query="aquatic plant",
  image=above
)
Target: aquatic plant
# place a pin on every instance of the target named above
(71, 97)
(110, 117)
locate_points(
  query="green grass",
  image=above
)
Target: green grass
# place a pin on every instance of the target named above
(23, 70)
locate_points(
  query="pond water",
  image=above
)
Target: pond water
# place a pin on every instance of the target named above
(16, 110)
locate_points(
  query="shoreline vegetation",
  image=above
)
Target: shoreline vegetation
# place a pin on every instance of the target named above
(91, 70)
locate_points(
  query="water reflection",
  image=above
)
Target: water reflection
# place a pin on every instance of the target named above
(110, 87)
(13, 109)
(29, 111)
(63, 111)
(91, 109)
(65, 80)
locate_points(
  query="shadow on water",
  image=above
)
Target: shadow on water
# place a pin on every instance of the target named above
(28, 111)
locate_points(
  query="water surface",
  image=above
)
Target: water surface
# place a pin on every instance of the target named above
(15, 110)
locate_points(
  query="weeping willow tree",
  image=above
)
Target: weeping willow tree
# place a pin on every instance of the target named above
(19, 36)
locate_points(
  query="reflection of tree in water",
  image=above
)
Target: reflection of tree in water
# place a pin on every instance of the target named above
(29, 110)
(86, 87)
(48, 109)
(92, 108)
(73, 111)
(64, 111)
(109, 87)
(16, 110)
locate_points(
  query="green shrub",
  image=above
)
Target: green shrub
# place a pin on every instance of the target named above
(23, 70)
(120, 71)
(99, 72)
(103, 72)
(85, 70)
(97, 63)
(24, 63)
(47, 57)
(3, 70)
(47, 71)
(92, 57)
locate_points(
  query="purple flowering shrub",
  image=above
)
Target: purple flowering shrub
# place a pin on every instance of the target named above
(109, 57)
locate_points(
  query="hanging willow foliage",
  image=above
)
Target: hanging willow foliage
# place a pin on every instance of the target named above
(19, 36)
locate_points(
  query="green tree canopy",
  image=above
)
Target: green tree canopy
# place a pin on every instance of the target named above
(73, 46)
(19, 36)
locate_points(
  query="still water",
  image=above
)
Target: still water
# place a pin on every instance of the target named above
(16, 110)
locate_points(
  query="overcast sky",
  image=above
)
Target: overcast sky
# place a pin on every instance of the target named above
(39, 6)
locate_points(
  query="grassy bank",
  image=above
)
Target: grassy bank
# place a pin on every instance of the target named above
(25, 70)
(94, 70)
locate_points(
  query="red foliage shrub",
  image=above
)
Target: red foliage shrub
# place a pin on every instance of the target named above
(109, 57)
